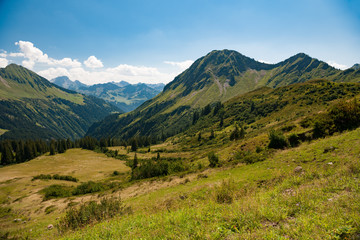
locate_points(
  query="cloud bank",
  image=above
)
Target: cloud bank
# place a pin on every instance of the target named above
(90, 71)
(337, 65)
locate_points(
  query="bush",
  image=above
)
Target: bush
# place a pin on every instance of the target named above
(277, 140)
(345, 115)
(213, 159)
(157, 167)
(150, 169)
(89, 187)
(56, 191)
(225, 192)
(56, 177)
(91, 212)
(294, 140)
(249, 157)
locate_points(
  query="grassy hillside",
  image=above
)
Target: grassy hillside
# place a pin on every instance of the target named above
(32, 107)
(310, 191)
(272, 199)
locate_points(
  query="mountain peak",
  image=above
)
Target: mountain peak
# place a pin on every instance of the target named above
(356, 66)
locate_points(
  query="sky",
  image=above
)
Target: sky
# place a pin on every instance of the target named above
(152, 41)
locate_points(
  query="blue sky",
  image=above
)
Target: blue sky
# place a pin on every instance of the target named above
(154, 40)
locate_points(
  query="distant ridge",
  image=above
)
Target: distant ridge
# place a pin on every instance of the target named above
(121, 94)
(32, 107)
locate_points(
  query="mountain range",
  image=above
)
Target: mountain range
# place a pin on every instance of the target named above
(217, 77)
(122, 94)
(33, 107)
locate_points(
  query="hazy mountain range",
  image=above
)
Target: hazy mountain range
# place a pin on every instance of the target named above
(122, 94)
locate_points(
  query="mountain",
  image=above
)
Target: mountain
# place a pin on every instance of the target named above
(356, 66)
(33, 107)
(122, 94)
(65, 82)
(217, 77)
(157, 86)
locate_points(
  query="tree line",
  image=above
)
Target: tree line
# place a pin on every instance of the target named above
(18, 151)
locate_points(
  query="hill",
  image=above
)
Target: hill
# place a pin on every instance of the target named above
(32, 107)
(216, 77)
(122, 94)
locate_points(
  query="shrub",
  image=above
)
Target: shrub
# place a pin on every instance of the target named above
(91, 212)
(277, 140)
(56, 177)
(249, 157)
(213, 159)
(89, 187)
(55, 191)
(294, 140)
(345, 115)
(225, 192)
(158, 167)
(150, 169)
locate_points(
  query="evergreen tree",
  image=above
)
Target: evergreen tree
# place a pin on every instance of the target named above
(212, 134)
(134, 145)
(235, 134)
(221, 124)
(135, 162)
(195, 117)
(199, 137)
(29, 150)
(52, 149)
(7, 156)
(20, 152)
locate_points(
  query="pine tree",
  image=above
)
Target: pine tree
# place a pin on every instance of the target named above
(20, 152)
(135, 162)
(134, 145)
(52, 149)
(7, 156)
(212, 134)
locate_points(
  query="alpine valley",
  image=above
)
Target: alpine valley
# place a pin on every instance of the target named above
(122, 94)
(232, 148)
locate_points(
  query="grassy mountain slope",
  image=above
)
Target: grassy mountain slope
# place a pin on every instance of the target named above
(269, 199)
(123, 95)
(218, 76)
(266, 108)
(32, 107)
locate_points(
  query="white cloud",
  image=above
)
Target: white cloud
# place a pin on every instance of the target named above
(17, 55)
(28, 64)
(93, 62)
(51, 73)
(33, 58)
(129, 70)
(34, 55)
(263, 61)
(3, 62)
(182, 65)
(337, 65)
(3, 53)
